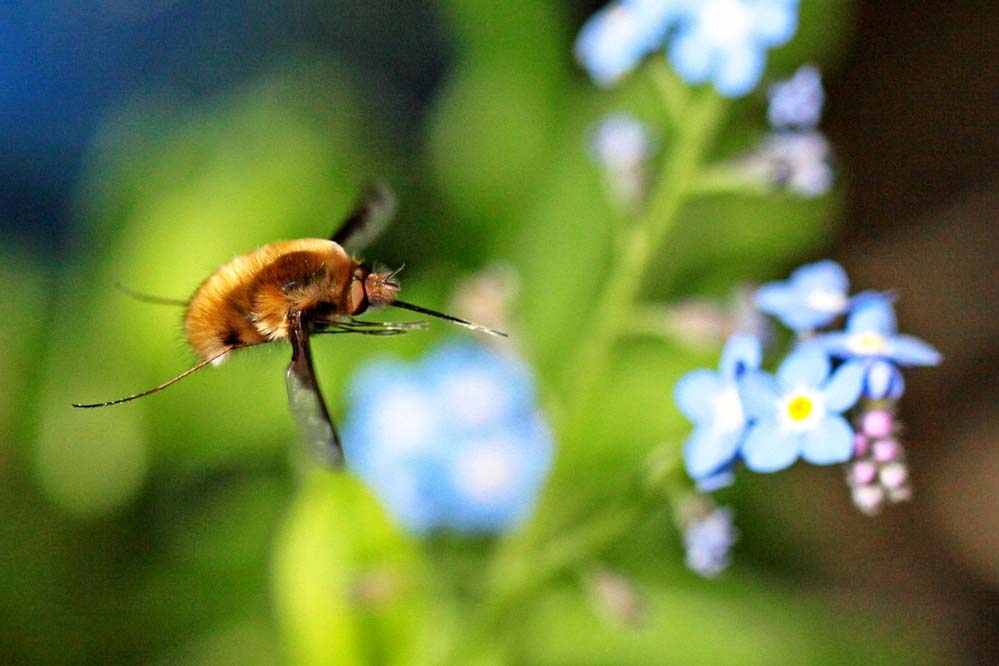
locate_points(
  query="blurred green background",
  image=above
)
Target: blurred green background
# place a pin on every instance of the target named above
(151, 142)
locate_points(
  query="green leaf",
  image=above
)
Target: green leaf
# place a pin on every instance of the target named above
(718, 623)
(348, 585)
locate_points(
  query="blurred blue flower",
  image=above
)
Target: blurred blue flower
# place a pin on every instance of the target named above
(798, 412)
(454, 442)
(797, 102)
(622, 146)
(872, 333)
(798, 161)
(620, 142)
(708, 541)
(883, 381)
(711, 401)
(725, 41)
(813, 296)
(615, 39)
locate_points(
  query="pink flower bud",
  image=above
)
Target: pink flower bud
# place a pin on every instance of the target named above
(886, 450)
(864, 472)
(894, 475)
(861, 445)
(878, 423)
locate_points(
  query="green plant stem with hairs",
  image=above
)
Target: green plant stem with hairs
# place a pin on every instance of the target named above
(643, 240)
(526, 561)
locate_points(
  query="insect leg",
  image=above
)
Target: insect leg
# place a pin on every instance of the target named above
(370, 327)
(207, 361)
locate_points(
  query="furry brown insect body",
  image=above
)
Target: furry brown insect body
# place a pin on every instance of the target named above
(290, 290)
(250, 299)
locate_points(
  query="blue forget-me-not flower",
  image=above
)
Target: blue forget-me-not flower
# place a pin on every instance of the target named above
(872, 333)
(708, 540)
(798, 161)
(813, 296)
(724, 42)
(798, 412)
(797, 102)
(797, 156)
(455, 442)
(623, 147)
(711, 401)
(620, 35)
(620, 142)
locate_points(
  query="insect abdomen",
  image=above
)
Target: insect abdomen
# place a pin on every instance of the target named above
(247, 300)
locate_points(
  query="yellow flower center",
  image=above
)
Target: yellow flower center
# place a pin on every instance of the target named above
(868, 343)
(799, 408)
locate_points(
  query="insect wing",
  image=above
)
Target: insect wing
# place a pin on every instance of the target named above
(371, 214)
(304, 399)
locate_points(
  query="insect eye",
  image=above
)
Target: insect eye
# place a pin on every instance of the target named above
(356, 299)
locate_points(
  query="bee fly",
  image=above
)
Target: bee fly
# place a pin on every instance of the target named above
(290, 290)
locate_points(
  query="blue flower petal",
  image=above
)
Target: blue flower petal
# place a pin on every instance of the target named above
(813, 296)
(393, 415)
(464, 408)
(759, 392)
(405, 489)
(835, 344)
(843, 389)
(742, 352)
(767, 449)
(695, 392)
(723, 477)
(910, 350)
(797, 102)
(872, 311)
(615, 40)
(784, 302)
(825, 275)
(724, 41)
(607, 44)
(829, 442)
(739, 70)
(806, 366)
(884, 380)
(379, 373)
(708, 541)
(707, 450)
(691, 58)
(774, 297)
(492, 477)
(776, 22)
(475, 385)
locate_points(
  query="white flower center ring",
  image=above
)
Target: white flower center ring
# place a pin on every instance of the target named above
(801, 410)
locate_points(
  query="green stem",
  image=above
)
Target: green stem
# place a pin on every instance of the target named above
(641, 242)
(518, 573)
(674, 94)
(527, 563)
(728, 179)
(514, 579)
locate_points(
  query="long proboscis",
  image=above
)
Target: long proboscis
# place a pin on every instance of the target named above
(454, 320)
(165, 384)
